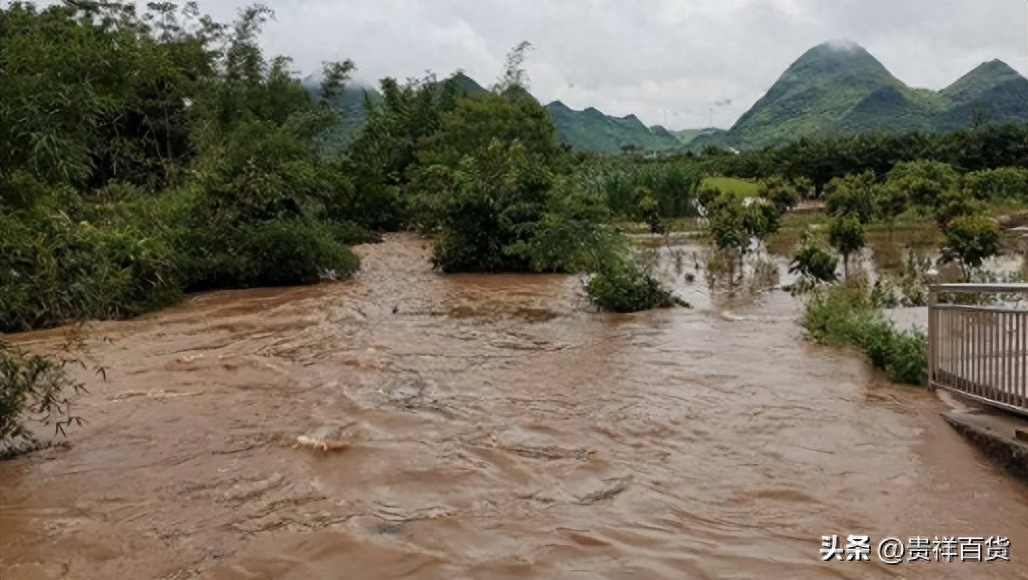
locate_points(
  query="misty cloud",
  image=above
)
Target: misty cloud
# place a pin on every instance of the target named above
(676, 64)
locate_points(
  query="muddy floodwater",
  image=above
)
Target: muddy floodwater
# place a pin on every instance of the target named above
(497, 427)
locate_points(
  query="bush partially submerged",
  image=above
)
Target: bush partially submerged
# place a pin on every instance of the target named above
(54, 268)
(174, 157)
(845, 315)
(273, 253)
(625, 287)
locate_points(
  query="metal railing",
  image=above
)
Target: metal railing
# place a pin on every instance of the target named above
(980, 351)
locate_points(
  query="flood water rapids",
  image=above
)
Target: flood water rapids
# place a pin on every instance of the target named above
(497, 427)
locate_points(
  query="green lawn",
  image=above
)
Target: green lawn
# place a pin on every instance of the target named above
(733, 185)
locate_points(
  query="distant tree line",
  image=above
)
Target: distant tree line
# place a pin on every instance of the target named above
(820, 160)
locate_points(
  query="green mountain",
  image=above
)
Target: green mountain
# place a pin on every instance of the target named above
(686, 136)
(519, 93)
(834, 88)
(591, 130)
(352, 101)
(467, 85)
(839, 88)
(992, 90)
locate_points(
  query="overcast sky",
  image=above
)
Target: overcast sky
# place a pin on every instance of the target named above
(667, 62)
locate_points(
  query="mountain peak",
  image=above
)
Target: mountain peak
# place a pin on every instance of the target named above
(467, 85)
(996, 68)
(558, 106)
(981, 79)
(830, 78)
(839, 61)
(840, 45)
(514, 92)
(836, 52)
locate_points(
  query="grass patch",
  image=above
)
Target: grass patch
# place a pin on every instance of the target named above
(845, 315)
(732, 185)
(684, 225)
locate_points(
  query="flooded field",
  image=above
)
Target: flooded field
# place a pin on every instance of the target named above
(495, 426)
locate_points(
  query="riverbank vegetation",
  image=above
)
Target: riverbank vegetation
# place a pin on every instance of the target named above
(149, 154)
(846, 315)
(37, 388)
(189, 161)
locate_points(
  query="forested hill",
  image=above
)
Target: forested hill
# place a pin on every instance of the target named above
(591, 130)
(840, 88)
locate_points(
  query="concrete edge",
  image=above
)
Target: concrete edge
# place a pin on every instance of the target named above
(996, 434)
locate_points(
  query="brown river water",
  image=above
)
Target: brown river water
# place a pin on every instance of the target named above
(497, 427)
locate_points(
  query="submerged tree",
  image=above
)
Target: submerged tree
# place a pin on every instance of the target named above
(846, 234)
(971, 239)
(782, 194)
(36, 389)
(649, 210)
(892, 202)
(813, 262)
(761, 219)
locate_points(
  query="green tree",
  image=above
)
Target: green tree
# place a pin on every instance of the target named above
(384, 157)
(854, 196)
(761, 219)
(649, 210)
(954, 204)
(514, 75)
(728, 223)
(148, 151)
(106, 102)
(728, 229)
(782, 194)
(814, 262)
(814, 160)
(971, 239)
(706, 196)
(1002, 183)
(846, 234)
(891, 203)
(925, 181)
(488, 199)
(474, 123)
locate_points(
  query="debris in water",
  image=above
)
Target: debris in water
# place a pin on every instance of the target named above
(614, 487)
(322, 444)
(323, 438)
(408, 392)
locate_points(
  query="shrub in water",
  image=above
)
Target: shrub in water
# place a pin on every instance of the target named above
(54, 270)
(283, 253)
(845, 315)
(271, 253)
(627, 288)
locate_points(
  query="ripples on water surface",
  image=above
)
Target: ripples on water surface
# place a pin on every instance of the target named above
(497, 428)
